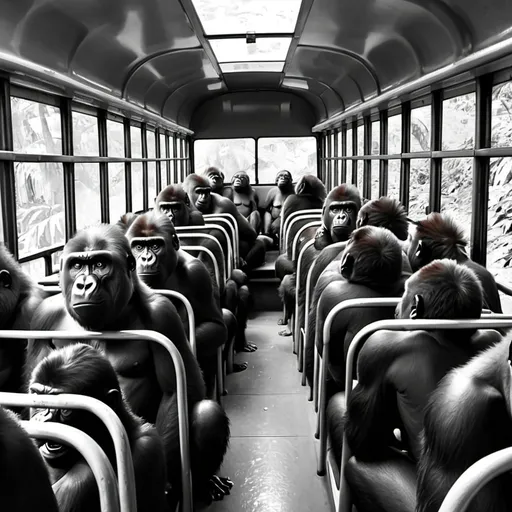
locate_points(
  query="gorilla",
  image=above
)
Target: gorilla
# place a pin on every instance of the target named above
(101, 291)
(468, 417)
(245, 199)
(81, 369)
(383, 212)
(174, 202)
(273, 204)
(216, 179)
(439, 236)
(19, 298)
(161, 264)
(397, 372)
(252, 250)
(24, 486)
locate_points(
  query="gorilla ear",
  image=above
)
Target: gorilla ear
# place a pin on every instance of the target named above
(418, 308)
(175, 242)
(347, 266)
(130, 261)
(363, 221)
(5, 279)
(113, 399)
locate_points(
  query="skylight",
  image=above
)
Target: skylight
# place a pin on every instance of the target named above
(233, 67)
(242, 16)
(235, 50)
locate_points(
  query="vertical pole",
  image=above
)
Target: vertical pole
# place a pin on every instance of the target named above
(343, 177)
(127, 165)
(145, 182)
(66, 124)
(384, 149)
(354, 152)
(158, 165)
(405, 167)
(436, 164)
(367, 173)
(103, 150)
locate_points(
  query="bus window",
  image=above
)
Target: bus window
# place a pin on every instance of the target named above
(420, 128)
(419, 188)
(152, 191)
(36, 127)
(163, 165)
(456, 190)
(137, 191)
(87, 175)
(39, 205)
(350, 163)
(375, 179)
(395, 135)
(459, 122)
(394, 179)
(116, 175)
(297, 154)
(228, 155)
(502, 115)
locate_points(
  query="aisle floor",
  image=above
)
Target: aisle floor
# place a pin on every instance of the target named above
(273, 455)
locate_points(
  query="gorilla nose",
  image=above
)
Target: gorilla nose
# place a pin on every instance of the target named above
(85, 285)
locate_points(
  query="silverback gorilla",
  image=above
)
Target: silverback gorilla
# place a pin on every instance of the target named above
(161, 264)
(80, 369)
(19, 298)
(101, 291)
(245, 199)
(397, 372)
(252, 250)
(24, 483)
(467, 418)
(273, 204)
(438, 236)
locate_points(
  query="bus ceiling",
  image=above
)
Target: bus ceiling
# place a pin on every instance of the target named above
(162, 59)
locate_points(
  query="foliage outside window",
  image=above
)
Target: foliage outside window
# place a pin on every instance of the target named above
(394, 179)
(137, 192)
(395, 134)
(375, 138)
(228, 155)
(87, 195)
(296, 154)
(116, 190)
(375, 179)
(85, 135)
(456, 190)
(360, 176)
(115, 138)
(419, 190)
(420, 128)
(459, 122)
(502, 115)
(152, 191)
(360, 140)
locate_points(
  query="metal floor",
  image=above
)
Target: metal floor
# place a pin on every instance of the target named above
(273, 455)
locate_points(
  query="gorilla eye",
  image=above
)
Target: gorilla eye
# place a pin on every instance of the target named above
(77, 265)
(155, 247)
(138, 247)
(66, 413)
(99, 264)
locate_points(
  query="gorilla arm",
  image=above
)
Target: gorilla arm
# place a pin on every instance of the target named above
(466, 419)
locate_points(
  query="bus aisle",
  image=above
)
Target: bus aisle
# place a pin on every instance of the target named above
(272, 456)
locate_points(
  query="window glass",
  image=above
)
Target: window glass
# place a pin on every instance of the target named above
(260, 16)
(395, 135)
(349, 143)
(137, 192)
(34, 268)
(152, 191)
(85, 135)
(87, 195)
(228, 155)
(264, 49)
(136, 141)
(116, 190)
(394, 179)
(35, 127)
(296, 154)
(375, 138)
(39, 206)
(420, 128)
(360, 176)
(115, 138)
(419, 188)
(360, 140)
(162, 146)
(502, 115)
(375, 179)
(459, 122)
(456, 187)
(233, 67)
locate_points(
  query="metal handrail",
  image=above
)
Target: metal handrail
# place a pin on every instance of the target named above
(200, 248)
(296, 330)
(234, 223)
(283, 242)
(475, 478)
(123, 452)
(172, 294)
(295, 220)
(397, 325)
(90, 451)
(306, 322)
(229, 257)
(181, 383)
(333, 313)
(295, 243)
(215, 241)
(230, 224)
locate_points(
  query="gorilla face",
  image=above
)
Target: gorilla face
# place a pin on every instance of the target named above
(240, 181)
(283, 179)
(340, 218)
(201, 197)
(177, 211)
(216, 181)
